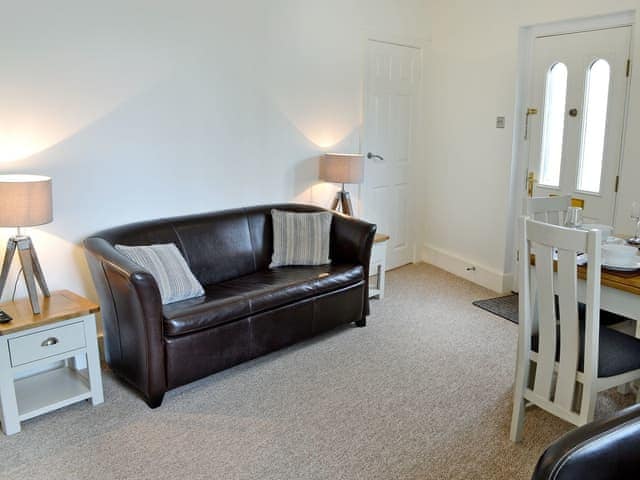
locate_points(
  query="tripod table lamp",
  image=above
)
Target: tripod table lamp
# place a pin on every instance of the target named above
(342, 168)
(25, 201)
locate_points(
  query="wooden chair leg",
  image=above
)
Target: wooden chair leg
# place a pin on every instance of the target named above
(517, 416)
(517, 420)
(589, 400)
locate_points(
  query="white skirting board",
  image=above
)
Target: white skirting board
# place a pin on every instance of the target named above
(499, 282)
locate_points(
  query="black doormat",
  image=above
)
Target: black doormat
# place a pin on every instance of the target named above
(505, 307)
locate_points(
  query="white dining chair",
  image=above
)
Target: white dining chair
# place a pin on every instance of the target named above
(548, 209)
(563, 365)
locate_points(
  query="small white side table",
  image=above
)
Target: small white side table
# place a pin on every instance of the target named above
(378, 265)
(49, 360)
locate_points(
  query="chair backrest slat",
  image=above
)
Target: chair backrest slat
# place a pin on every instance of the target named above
(546, 329)
(556, 370)
(567, 287)
(548, 209)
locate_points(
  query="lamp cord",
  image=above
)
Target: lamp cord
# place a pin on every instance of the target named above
(15, 285)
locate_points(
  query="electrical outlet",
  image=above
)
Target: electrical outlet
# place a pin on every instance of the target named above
(500, 122)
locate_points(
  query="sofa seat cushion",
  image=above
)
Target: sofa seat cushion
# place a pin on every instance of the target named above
(238, 298)
(216, 307)
(280, 286)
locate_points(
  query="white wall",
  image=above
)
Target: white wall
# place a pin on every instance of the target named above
(145, 109)
(473, 69)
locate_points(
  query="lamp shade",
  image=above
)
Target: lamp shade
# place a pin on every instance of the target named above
(342, 168)
(25, 200)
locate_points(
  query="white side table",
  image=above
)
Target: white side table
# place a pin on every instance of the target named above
(378, 265)
(49, 360)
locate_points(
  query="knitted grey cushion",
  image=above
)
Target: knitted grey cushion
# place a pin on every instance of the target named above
(300, 238)
(168, 267)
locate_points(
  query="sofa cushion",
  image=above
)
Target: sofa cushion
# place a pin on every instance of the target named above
(301, 238)
(254, 293)
(216, 307)
(279, 286)
(169, 269)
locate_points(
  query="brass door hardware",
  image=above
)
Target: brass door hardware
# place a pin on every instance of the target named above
(531, 181)
(577, 202)
(530, 111)
(573, 112)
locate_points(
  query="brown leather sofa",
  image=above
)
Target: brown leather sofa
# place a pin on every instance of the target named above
(248, 309)
(606, 449)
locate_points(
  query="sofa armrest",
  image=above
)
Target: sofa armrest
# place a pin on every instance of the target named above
(351, 242)
(603, 450)
(132, 318)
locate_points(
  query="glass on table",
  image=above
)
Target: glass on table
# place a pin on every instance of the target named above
(574, 217)
(635, 215)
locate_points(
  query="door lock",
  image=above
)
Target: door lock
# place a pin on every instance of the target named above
(573, 112)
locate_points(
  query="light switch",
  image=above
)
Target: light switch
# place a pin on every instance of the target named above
(500, 122)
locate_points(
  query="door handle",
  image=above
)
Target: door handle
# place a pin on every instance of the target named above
(530, 111)
(378, 157)
(531, 181)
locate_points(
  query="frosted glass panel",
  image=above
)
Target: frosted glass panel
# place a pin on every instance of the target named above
(553, 126)
(595, 126)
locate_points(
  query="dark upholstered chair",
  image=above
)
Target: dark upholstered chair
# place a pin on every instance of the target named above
(607, 449)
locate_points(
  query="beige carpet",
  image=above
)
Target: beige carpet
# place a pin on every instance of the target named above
(424, 392)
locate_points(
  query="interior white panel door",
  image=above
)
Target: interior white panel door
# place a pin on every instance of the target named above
(393, 74)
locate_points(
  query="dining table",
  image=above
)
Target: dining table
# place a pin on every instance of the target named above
(619, 294)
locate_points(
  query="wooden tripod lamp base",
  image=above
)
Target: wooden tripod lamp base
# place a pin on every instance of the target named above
(342, 168)
(342, 202)
(31, 269)
(26, 202)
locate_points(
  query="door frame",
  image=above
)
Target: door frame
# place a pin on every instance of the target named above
(417, 146)
(520, 148)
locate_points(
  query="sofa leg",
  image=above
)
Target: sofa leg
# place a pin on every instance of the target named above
(362, 322)
(154, 402)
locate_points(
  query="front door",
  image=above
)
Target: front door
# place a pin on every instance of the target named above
(391, 102)
(576, 117)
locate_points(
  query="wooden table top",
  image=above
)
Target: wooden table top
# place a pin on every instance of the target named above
(625, 281)
(61, 305)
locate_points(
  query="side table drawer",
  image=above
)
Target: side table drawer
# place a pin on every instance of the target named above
(47, 343)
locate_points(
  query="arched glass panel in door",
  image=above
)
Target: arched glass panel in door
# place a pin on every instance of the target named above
(553, 126)
(594, 127)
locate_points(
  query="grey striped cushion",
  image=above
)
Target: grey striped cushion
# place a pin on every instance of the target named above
(300, 238)
(167, 265)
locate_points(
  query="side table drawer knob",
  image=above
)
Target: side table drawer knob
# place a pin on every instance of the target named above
(49, 341)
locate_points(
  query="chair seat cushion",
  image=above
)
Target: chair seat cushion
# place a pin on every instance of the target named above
(254, 293)
(618, 352)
